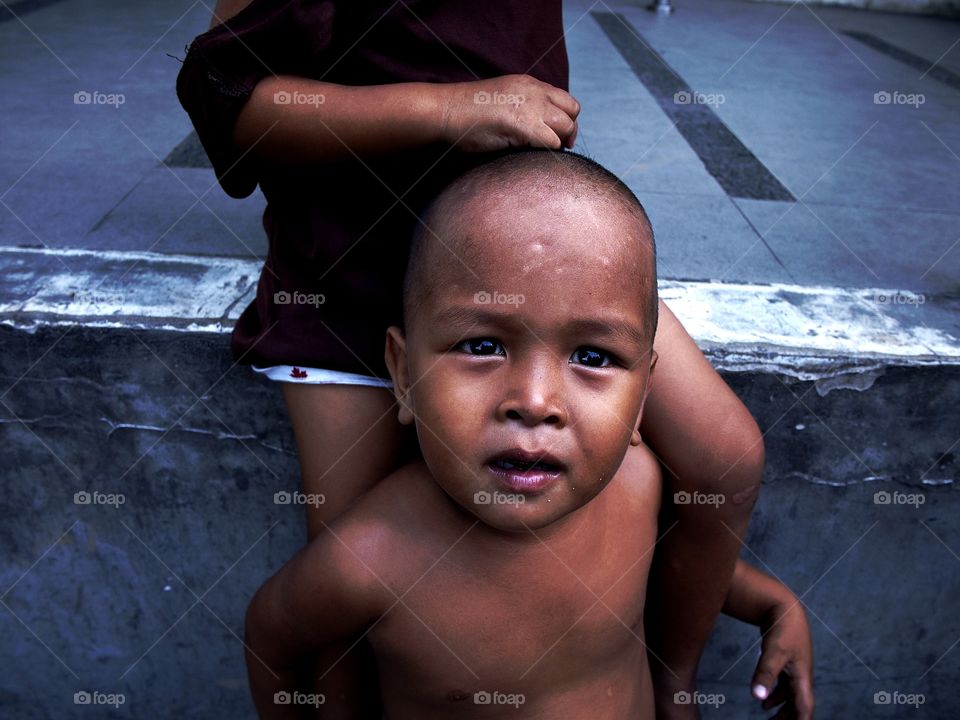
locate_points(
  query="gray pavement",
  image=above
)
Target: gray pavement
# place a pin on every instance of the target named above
(871, 180)
(809, 238)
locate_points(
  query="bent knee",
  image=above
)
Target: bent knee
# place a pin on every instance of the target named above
(739, 461)
(730, 463)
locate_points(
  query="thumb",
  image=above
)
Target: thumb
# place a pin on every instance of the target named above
(769, 666)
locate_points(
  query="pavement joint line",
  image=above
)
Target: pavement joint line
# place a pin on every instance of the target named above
(807, 332)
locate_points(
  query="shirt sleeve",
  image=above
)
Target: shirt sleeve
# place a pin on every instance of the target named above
(224, 64)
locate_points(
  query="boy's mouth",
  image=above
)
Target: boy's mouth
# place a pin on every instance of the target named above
(524, 465)
(524, 470)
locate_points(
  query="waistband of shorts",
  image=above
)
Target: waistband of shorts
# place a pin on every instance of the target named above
(319, 376)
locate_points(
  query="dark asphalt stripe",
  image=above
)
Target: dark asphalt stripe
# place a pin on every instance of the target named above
(908, 58)
(11, 11)
(738, 170)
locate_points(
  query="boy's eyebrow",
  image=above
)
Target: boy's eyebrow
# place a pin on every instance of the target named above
(614, 328)
(459, 315)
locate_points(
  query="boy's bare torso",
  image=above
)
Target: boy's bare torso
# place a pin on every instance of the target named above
(481, 623)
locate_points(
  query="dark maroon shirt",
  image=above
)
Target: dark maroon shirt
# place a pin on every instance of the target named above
(338, 230)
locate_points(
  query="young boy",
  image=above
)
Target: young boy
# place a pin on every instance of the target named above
(506, 571)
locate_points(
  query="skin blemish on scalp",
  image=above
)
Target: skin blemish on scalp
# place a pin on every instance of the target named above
(457, 696)
(539, 249)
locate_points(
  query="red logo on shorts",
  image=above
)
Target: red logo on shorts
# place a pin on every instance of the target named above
(298, 373)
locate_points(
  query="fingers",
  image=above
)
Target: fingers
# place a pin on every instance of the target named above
(780, 694)
(803, 697)
(565, 101)
(797, 693)
(785, 713)
(769, 667)
(563, 128)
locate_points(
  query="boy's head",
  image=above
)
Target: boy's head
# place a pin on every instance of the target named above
(530, 309)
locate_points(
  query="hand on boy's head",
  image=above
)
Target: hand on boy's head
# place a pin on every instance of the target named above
(509, 111)
(529, 329)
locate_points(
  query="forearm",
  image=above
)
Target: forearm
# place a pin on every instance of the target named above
(754, 595)
(292, 120)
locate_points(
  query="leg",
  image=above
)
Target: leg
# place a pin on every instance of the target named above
(348, 439)
(698, 428)
(707, 442)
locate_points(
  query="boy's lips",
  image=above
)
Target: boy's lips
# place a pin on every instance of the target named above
(523, 471)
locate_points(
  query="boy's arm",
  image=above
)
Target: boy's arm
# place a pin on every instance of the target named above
(324, 594)
(784, 672)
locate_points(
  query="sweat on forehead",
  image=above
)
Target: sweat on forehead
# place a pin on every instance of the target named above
(542, 186)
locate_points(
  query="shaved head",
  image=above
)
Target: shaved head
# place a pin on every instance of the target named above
(455, 231)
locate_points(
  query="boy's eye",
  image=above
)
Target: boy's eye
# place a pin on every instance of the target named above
(591, 357)
(481, 346)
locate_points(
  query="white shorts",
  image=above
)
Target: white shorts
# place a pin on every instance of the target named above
(317, 376)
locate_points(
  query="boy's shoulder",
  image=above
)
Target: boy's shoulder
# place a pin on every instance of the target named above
(392, 533)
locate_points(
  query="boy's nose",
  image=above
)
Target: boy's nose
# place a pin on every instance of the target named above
(534, 395)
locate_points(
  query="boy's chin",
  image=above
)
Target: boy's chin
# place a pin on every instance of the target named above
(535, 514)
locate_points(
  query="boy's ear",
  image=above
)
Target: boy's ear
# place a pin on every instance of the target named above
(635, 439)
(395, 356)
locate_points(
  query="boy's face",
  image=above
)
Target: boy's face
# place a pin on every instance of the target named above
(527, 367)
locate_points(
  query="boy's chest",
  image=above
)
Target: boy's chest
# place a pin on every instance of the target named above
(504, 626)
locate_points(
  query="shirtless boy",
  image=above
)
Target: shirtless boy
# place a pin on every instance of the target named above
(505, 573)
